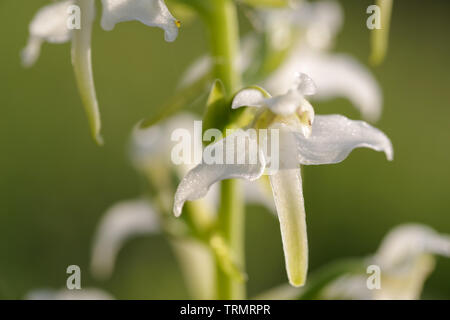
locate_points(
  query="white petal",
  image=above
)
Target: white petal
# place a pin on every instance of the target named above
(66, 294)
(153, 13)
(348, 287)
(202, 66)
(49, 24)
(307, 114)
(342, 76)
(197, 265)
(336, 75)
(250, 97)
(121, 222)
(288, 196)
(334, 137)
(197, 182)
(407, 241)
(406, 258)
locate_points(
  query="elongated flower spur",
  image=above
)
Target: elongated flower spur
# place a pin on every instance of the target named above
(73, 19)
(304, 139)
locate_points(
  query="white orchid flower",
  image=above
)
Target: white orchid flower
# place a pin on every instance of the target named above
(336, 75)
(303, 139)
(54, 23)
(406, 259)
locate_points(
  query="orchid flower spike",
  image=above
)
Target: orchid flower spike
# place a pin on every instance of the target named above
(303, 139)
(67, 20)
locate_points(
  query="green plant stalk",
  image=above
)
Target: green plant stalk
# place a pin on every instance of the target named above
(224, 41)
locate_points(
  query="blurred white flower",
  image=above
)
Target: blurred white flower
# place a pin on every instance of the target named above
(336, 75)
(51, 24)
(307, 31)
(65, 294)
(151, 147)
(406, 259)
(150, 153)
(48, 25)
(303, 139)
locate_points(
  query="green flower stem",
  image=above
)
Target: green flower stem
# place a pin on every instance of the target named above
(224, 41)
(222, 22)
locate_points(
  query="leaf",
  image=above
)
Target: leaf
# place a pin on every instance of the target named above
(216, 95)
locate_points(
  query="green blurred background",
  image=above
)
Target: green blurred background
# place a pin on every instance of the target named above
(55, 183)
